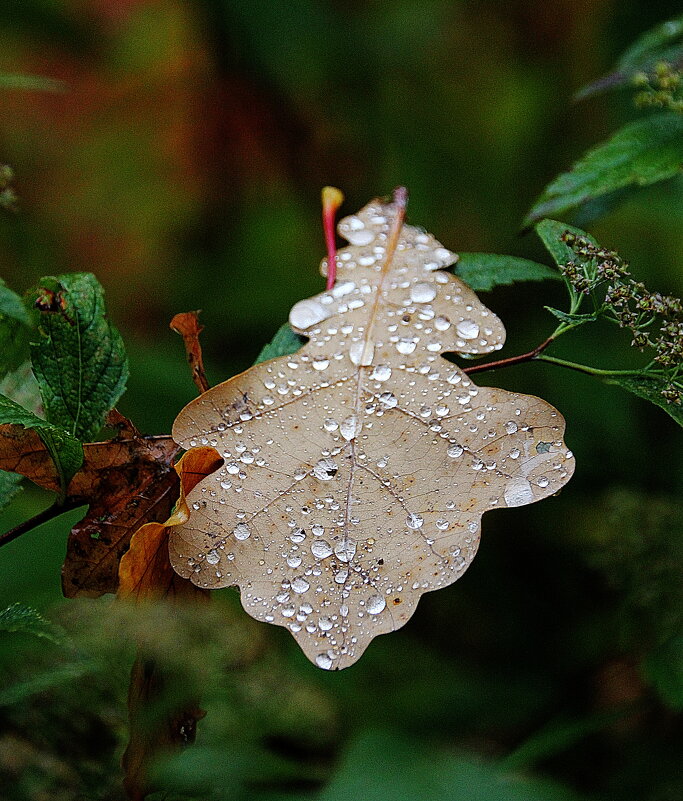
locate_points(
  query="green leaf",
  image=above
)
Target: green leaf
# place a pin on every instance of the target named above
(649, 388)
(550, 232)
(14, 329)
(573, 319)
(66, 451)
(30, 83)
(54, 677)
(79, 358)
(28, 620)
(640, 153)
(664, 42)
(482, 271)
(283, 343)
(382, 766)
(10, 487)
(663, 668)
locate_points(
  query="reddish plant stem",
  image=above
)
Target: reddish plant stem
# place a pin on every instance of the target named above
(332, 199)
(522, 357)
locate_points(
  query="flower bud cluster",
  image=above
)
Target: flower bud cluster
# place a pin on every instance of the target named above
(663, 88)
(654, 320)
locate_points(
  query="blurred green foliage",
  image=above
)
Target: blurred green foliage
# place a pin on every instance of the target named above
(182, 166)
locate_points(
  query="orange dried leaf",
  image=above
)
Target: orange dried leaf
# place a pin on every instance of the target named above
(145, 570)
(357, 470)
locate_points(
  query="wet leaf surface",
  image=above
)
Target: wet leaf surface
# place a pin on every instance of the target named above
(357, 469)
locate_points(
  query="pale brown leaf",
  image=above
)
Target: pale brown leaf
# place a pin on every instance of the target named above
(357, 470)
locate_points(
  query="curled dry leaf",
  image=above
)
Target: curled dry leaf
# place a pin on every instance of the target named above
(357, 470)
(145, 571)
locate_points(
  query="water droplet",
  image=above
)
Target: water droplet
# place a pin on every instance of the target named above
(381, 372)
(422, 292)
(542, 482)
(325, 624)
(317, 530)
(455, 451)
(442, 323)
(405, 346)
(294, 560)
(467, 329)
(375, 604)
(514, 453)
(359, 236)
(213, 557)
(350, 427)
(414, 521)
(307, 313)
(321, 549)
(345, 550)
(511, 427)
(442, 525)
(320, 363)
(288, 611)
(297, 536)
(518, 492)
(330, 424)
(324, 661)
(325, 469)
(361, 353)
(388, 399)
(241, 531)
(299, 584)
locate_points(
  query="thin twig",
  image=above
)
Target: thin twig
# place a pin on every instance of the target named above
(50, 513)
(522, 357)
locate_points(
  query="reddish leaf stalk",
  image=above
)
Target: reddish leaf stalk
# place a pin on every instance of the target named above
(522, 357)
(332, 198)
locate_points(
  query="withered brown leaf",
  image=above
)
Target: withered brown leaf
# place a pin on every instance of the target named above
(357, 470)
(126, 481)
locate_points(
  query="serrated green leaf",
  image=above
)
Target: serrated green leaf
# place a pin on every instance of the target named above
(649, 388)
(574, 319)
(483, 271)
(42, 682)
(640, 153)
(66, 451)
(14, 329)
(10, 487)
(664, 42)
(26, 619)
(78, 357)
(663, 668)
(283, 343)
(30, 83)
(550, 232)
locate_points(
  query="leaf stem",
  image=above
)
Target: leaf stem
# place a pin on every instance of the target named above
(332, 198)
(512, 360)
(585, 368)
(55, 510)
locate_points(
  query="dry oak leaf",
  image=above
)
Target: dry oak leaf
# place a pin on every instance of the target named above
(145, 571)
(357, 470)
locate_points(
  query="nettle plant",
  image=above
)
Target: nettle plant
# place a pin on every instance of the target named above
(346, 473)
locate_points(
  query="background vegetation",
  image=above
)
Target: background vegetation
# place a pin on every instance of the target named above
(181, 162)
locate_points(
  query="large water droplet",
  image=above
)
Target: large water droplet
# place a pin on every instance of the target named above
(325, 469)
(511, 427)
(375, 604)
(467, 329)
(405, 346)
(299, 584)
(422, 292)
(241, 531)
(213, 557)
(455, 451)
(388, 399)
(381, 372)
(307, 313)
(321, 549)
(350, 427)
(345, 550)
(518, 492)
(361, 353)
(414, 521)
(324, 661)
